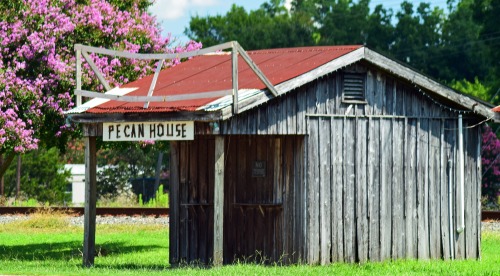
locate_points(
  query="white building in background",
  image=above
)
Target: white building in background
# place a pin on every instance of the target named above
(77, 183)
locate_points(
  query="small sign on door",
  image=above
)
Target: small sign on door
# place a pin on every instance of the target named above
(259, 168)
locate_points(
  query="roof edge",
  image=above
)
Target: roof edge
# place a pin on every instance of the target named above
(423, 81)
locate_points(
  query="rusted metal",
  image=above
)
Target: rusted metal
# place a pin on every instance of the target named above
(213, 73)
(102, 211)
(490, 215)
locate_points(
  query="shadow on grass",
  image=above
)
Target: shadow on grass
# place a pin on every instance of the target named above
(131, 266)
(66, 250)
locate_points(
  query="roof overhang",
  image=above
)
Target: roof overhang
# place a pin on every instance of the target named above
(222, 108)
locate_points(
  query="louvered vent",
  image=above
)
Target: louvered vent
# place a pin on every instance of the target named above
(354, 87)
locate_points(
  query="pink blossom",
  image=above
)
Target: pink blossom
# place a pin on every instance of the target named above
(38, 63)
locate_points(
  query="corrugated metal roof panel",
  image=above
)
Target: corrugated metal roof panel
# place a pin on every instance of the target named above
(213, 73)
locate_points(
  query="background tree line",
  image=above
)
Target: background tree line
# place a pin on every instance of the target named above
(453, 45)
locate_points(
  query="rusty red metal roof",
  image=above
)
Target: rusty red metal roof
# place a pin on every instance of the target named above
(213, 72)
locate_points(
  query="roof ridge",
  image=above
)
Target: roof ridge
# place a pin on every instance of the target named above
(306, 49)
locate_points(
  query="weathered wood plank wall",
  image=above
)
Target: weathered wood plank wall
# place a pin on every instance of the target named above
(366, 182)
(260, 221)
(263, 218)
(191, 200)
(413, 148)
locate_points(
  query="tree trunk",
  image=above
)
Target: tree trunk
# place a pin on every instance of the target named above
(6, 163)
(18, 176)
(1, 178)
(158, 170)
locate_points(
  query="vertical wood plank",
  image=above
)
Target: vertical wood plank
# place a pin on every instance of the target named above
(193, 198)
(410, 189)
(183, 199)
(325, 193)
(300, 202)
(349, 191)
(333, 180)
(469, 191)
(361, 190)
(374, 189)
(301, 109)
(203, 199)
(444, 208)
(339, 186)
(385, 189)
(435, 191)
(398, 222)
(422, 172)
(90, 201)
(313, 192)
(218, 201)
(459, 199)
(174, 203)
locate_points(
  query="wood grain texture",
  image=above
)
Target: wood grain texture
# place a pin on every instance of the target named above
(218, 201)
(90, 201)
(371, 184)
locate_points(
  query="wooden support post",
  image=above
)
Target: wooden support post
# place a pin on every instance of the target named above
(218, 200)
(90, 133)
(234, 63)
(78, 72)
(174, 203)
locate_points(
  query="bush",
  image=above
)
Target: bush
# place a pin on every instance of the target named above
(490, 158)
(43, 177)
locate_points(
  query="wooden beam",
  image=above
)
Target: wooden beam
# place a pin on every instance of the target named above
(234, 63)
(153, 83)
(256, 69)
(219, 201)
(124, 54)
(199, 116)
(90, 201)
(167, 98)
(97, 72)
(78, 73)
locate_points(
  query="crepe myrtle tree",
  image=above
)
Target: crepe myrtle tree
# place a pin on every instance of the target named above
(37, 62)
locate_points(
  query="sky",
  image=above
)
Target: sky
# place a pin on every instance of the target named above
(174, 15)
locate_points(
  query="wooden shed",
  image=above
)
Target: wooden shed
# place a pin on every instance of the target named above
(316, 155)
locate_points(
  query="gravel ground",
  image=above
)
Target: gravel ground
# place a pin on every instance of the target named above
(78, 221)
(489, 225)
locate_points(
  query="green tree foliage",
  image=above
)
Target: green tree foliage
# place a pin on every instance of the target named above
(120, 163)
(416, 36)
(460, 44)
(43, 177)
(475, 89)
(486, 14)
(268, 27)
(463, 53)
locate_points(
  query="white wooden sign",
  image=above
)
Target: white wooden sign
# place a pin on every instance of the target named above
(139, 131)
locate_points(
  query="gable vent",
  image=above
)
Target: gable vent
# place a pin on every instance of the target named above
(354, 88)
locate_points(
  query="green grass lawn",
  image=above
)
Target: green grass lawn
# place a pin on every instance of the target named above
(47, 245)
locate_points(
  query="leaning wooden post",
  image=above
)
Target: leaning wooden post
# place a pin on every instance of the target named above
(234, 67)
(90, 133)
(219, 200)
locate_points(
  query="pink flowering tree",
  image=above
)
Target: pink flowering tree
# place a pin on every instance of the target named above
(490, 157)
(37, 62)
